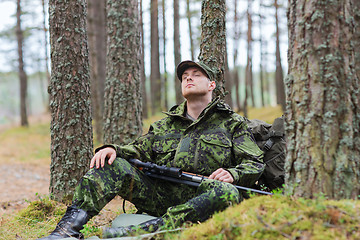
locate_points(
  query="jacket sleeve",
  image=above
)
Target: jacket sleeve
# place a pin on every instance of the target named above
(141, 148)
(248, 158)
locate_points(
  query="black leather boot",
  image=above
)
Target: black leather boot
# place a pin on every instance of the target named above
(148, 226)
(70, 224)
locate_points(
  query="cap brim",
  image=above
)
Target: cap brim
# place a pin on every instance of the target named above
(185, 65)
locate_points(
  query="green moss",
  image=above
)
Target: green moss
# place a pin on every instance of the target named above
(41, 210)
(282, 217)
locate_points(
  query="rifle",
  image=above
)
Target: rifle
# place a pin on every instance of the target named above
(176, 175)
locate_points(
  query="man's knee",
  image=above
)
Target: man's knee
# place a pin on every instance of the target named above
(221, 191)
(119, 168)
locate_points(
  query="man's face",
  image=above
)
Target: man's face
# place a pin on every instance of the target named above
(195, 83)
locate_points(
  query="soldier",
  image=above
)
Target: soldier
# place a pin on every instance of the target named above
(201, 135)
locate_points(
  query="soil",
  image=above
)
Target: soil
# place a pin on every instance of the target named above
(22, 183)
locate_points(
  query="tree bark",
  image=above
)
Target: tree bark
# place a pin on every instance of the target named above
(188, 15)
(212, 46)
(71, 129)
(97, 48)
(356, 42)
(177, 53)
(155, 61)
(323, 107)
(228, 81)
(236, 39)
(261, 41)
(22, 73)
(145, 100)
(165, 78)
(249, 67)
(122, 111)
(279, 76)
(46, 47)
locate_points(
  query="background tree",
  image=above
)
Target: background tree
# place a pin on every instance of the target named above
(71, 129)
(177, 52)
(191, 37)
(122, 111)
(228, 81)
(279, 76)
(356, 42)
(323, 101)
(46, 44)
(155, 59)
(236, 40)
(164, 80)
(96, 23)
(262, 54)
(249, 78)
(145, 101)
(213, 34)
(22, 73)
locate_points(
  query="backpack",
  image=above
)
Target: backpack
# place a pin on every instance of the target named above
(271, 139)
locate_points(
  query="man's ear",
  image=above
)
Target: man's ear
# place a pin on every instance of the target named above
(212, 85)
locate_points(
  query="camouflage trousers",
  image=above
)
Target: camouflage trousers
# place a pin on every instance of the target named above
(176, 203)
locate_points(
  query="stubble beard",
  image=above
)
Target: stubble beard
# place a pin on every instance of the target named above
(196, 94)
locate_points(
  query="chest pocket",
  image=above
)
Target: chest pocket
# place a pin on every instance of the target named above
(213, 151)
(165, 147)
(218, 139)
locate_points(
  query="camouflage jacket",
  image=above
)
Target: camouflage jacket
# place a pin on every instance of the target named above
(219, 138)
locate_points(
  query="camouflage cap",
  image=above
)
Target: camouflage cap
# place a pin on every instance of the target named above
(186, 64)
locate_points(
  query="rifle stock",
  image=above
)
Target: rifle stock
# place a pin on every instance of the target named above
(176, 175)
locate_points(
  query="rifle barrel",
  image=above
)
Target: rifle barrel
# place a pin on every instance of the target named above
(176, 175)
(200, 178)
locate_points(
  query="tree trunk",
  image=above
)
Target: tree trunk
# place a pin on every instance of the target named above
(261, 40)
(46, 47)
(266, 74)
(165, 79)
(236, 44)
(177, 53)
(122, 111)
(228, 81)
(22, 73)
(323, 108)
(41, 81)
(237, 88)
(188, 15)
(356, 42)
(145, 101)
(71, 129)
(249, 68)
(279, 76)
(97, 49)
(155, 61)
(212, 46)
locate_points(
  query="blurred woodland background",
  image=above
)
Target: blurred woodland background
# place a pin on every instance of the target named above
(256, 41)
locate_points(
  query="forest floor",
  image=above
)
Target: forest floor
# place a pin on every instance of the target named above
(25, 168)
(21, 181)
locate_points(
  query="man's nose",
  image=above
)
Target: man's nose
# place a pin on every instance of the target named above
(188, 78)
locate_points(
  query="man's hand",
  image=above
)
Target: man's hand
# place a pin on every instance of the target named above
(100, 156)
(222, 175)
